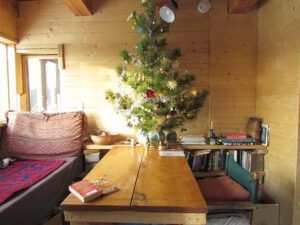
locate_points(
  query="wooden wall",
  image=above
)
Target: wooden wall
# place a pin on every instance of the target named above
(8, 18)
(222, 58)
(232, 80)
(278, 97)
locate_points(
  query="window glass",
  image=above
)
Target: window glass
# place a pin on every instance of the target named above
(4, 100)
(44, 84)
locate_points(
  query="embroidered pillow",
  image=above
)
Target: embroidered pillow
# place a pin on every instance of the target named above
(43, 136)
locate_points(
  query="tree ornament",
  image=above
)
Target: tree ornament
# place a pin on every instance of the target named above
(172, 112)
(150, 93)
(129, 17)
(133, 120)
(194, 93)
(190, 115)
(164, 99)
(172, 84)
(140, 29)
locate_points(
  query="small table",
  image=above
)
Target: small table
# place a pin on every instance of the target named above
(153, 189)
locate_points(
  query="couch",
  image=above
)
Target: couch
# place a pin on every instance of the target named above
(41, 137)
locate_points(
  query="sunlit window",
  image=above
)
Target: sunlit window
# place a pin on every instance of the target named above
(8, 96)
(44, 85)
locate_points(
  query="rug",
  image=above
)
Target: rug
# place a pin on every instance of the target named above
(24, 174)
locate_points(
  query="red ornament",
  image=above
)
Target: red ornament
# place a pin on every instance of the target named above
(150, 93)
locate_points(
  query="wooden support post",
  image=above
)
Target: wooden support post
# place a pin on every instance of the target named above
(240, 6)
(61, 56)
(79, 7)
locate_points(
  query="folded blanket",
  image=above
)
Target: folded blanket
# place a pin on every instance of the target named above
(24, 174)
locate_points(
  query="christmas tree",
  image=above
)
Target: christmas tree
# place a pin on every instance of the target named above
(153, 95)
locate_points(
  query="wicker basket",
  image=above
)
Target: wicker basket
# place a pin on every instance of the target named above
(104, 140)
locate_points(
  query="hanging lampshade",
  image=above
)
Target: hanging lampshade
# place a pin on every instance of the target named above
(167, 12)
(204, 6)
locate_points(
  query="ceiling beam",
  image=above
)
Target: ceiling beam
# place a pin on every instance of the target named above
(240, 6)
(11, 6)
(80, 7)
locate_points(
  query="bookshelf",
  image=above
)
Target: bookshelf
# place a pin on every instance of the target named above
(224, 147)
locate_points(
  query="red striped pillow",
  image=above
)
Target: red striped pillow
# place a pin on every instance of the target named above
(43, 136)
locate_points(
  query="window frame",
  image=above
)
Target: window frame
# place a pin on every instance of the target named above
(25, 70)
(10, 99)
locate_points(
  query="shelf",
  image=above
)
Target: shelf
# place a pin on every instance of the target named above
(209, 174)
(224, 147)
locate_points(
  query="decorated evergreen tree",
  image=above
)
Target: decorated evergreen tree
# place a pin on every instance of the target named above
(154, 96)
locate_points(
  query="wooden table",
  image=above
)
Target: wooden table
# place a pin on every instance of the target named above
(153, 189)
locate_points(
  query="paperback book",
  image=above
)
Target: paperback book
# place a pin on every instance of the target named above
(86, 190)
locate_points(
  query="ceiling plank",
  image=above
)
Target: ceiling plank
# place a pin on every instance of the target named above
(240, 6)
(10, 6)
(80, 7)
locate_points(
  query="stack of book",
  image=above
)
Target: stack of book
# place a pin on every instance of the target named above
(237, 139)
(214, 161)
(193, 140)
(252, 161)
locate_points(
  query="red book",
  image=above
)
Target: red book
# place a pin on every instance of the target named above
(86, 190)
(236, 136)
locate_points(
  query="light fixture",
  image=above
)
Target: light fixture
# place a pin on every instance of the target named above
(204, 6)
(167, 12)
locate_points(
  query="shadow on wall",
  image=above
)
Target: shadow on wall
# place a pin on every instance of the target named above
(262, 3)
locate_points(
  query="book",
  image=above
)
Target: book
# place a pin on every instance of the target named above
(86, 190)
(172, 153)
(236, 136)
(193, 139)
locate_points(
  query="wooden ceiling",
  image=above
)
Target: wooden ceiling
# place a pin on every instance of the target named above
(84, 7)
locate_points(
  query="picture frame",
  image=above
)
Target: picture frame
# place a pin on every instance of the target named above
(265, 135)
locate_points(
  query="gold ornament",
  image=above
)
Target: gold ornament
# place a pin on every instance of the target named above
(194, 93)
(172, 84)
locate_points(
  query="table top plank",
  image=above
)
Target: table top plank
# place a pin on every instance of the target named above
(120, 167)
(167, 184)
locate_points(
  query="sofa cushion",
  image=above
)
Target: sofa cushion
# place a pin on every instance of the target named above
(222, 189)
(43, 136)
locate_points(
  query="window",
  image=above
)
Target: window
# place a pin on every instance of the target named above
(43, 83)
(8, 96)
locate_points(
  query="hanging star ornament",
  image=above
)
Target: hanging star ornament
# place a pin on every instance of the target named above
(172, 84)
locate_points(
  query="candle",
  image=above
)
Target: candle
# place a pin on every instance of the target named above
(211, 125)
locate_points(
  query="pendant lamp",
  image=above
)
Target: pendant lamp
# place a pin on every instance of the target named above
(204, 6)
(167, 12)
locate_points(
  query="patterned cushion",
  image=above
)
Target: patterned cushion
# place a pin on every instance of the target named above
(222, 189)
(43, 136)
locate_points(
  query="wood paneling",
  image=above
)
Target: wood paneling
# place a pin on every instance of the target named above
(217, 47)
(8, 18)
(278, 99)
(232, 76)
